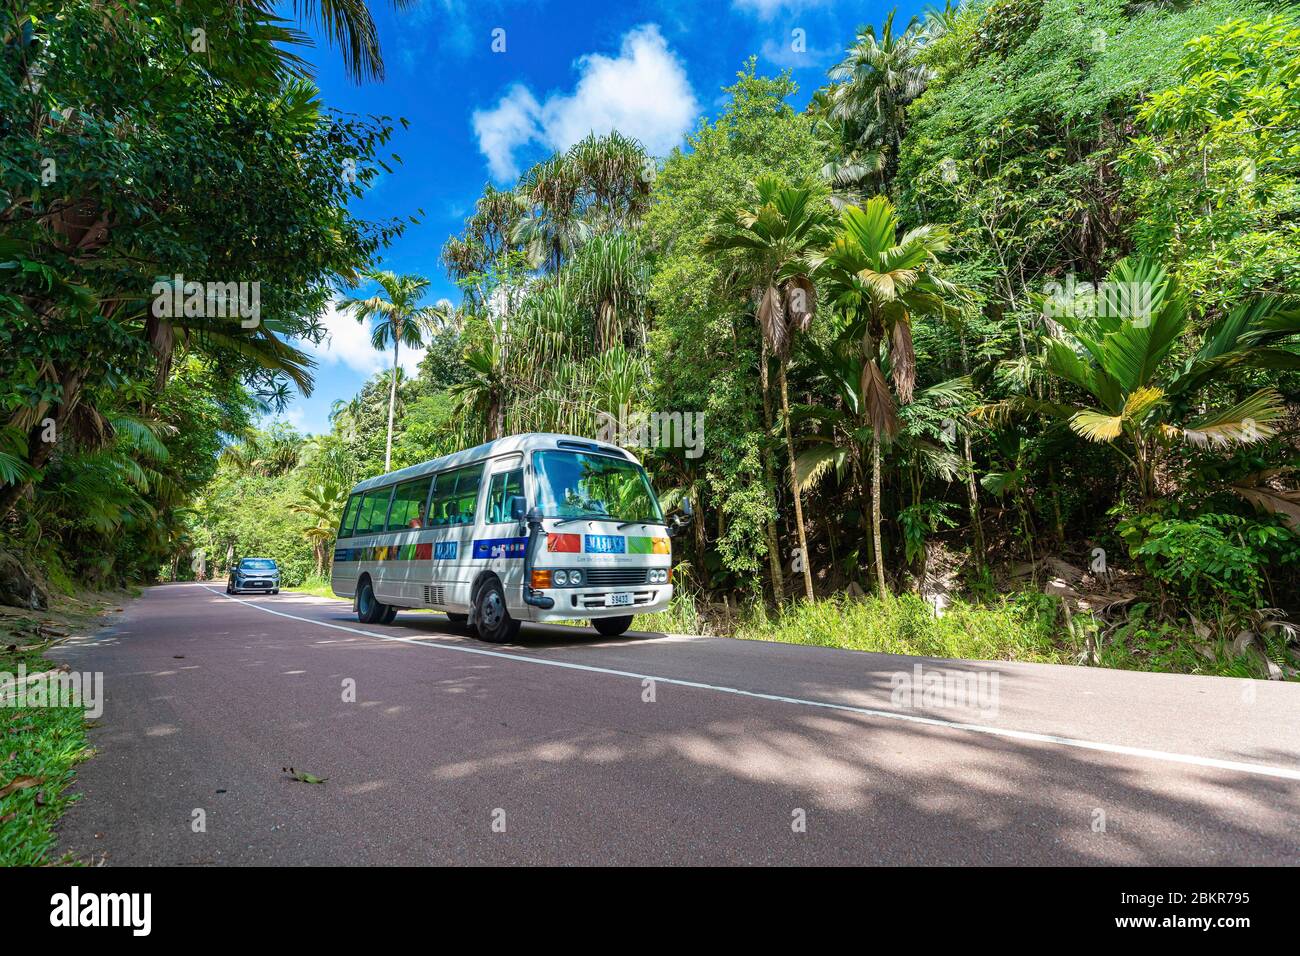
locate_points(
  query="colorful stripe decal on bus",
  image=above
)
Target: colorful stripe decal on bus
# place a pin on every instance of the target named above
(499, 547)
(605, 544)
(422, 551)
(649, 545)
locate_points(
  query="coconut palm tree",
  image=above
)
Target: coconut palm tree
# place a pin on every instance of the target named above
(400, 320)
(777, 238)
(880, 280)
(1117, 344)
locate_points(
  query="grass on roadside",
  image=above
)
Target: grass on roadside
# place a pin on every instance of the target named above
(1020, 627)
(39, 746)
(317, 587)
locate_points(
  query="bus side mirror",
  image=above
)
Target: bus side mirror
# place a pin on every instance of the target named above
(517, 507)
(534, 516)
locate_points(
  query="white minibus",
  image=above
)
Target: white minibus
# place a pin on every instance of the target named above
(531, 527)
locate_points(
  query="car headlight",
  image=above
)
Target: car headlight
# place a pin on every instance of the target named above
(560, 577)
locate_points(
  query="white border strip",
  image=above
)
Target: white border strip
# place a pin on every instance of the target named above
(1262, 770)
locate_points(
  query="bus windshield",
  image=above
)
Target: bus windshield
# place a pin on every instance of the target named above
(578, 485)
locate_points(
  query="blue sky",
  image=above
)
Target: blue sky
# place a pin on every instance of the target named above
(650, 69)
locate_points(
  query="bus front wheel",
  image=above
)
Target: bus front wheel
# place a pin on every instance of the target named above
(612, 626)
(492, 619)
(369, 610)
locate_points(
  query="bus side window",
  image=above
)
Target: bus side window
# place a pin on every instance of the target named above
(468, 481)
(444, 489)
(349, 516)
(408, 505)
(374, 509)
(505, 486)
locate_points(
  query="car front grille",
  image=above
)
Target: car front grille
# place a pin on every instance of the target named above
(613, 577)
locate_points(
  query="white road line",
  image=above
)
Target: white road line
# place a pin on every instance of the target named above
(1262, 770)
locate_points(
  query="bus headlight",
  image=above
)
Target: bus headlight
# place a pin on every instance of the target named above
(658, 576)
(575, 578)
(561, 578)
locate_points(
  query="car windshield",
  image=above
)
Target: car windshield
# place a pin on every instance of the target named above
(578, 485)
(257, 564)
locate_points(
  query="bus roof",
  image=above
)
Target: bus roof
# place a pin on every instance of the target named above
(530, 441)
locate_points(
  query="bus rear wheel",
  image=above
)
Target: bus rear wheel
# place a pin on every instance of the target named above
(369, 610)
(612, 626)
(492, 618)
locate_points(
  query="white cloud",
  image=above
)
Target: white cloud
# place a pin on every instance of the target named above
(505, 128)
(347, 342)
(642, 92)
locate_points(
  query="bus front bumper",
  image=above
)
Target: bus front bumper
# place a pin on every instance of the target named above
(583, 602)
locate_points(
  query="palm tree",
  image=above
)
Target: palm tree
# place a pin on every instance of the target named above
(483, 394)
(555, 227)
(324, 502)
(872, 86)
(880, 279)
(348, 24)
(844, 441)
(1116, 347)
(777, 238)
(401, 320)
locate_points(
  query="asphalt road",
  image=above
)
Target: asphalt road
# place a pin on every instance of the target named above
(557, 750)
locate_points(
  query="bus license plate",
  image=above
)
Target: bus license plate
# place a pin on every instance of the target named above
(618, 600)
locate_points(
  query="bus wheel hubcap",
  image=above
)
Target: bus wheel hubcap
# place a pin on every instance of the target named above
(492, 610)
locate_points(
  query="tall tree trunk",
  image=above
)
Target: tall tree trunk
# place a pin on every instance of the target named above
(972, 487)
(392, 403)
(773, 549)
(794, 486)
(875, 513)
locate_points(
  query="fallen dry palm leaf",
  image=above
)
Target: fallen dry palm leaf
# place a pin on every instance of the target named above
(21, 782)
(1278, 501)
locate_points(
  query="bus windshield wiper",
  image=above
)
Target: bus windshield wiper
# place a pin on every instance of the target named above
(591, 517)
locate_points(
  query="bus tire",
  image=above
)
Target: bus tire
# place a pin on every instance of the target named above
(492, 618)
(390, 612)
(612, 626)
(369, 610)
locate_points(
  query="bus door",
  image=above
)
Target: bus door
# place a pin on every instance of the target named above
(501, 537)
(453, 507)
(408, 564)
